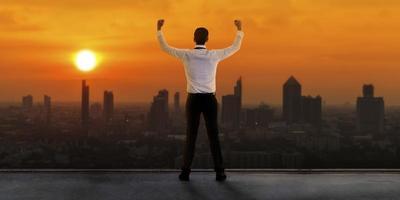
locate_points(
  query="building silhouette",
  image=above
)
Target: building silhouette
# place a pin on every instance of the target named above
(108, 105)
(368, 90)
(311, 110)
(85, 106)
(158, 117)
(47, 108)
(298, 108)
(27, 101)
(370, 112)
(177, 106)
(291, 101)
(237, 90)
(231, 107)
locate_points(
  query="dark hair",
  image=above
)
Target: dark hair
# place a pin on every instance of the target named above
(201, 35)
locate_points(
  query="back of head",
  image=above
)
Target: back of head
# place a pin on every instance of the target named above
(201, 36)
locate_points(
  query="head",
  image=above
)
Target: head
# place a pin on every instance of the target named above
(201, 36)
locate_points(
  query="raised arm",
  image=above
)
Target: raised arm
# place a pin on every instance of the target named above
(224, 53)
(179, 53)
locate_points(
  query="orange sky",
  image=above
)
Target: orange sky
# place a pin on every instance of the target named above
(331, 46)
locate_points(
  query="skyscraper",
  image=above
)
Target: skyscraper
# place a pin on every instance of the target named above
(368, 90)
(108, 105)
(158, 116)
(85, 106)
(237, 90)
(370, 112)
(298, 108)
(47, 108)
(311, 110)
(291, 101)
(27, 101)
(177, 106)
(163, 94)
(232, 106)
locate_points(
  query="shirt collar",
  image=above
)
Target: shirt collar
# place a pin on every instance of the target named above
(200, 46)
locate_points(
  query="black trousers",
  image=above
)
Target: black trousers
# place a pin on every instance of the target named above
(206, 104)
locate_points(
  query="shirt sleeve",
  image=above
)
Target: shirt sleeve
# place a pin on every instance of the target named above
(226, 52)
(178, 53)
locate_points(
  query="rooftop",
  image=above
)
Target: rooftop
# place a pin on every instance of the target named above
(292, 81)
(151, 184)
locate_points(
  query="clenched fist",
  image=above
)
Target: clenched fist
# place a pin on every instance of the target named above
(160, 23)
(238, 24)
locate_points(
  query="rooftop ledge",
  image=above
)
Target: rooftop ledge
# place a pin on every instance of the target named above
(300, 171)
(242, 184)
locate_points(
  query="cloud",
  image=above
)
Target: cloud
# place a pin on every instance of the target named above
(90, 4)
(354, 3)
(10, 21)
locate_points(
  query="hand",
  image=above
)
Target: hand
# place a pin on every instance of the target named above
(160, 23)
(238, 24)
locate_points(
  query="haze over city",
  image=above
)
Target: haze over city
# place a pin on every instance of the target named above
(332, 47)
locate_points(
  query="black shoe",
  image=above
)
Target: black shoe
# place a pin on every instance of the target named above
(184, 176)
(220, 176)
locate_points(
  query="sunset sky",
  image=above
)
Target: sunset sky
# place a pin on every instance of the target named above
(331, 46)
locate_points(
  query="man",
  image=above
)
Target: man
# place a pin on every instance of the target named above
(200, 69)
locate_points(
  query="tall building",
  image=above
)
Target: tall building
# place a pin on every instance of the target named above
(232, 106)
(370, 112)
(27, 101)
(47, 108)
(85, 106)
(158, 116)
(298, 108)
(311, 110)
(237, 90)
(108, 105)
(177, 106)
(291, 101)
(368, 90)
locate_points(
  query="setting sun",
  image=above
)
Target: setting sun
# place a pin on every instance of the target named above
(86, 60)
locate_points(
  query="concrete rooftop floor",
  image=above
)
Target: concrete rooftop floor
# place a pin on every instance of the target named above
(165, 186)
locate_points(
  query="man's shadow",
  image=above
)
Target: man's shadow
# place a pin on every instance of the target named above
(225, 190)
(235, 191)
(193, 191)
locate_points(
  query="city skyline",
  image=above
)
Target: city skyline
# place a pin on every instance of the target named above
(296, 108)
(258, 137)
(237, 91)
(308, 39)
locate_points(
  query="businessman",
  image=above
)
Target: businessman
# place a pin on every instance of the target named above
(200, 69)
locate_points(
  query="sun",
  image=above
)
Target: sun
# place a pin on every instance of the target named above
(85, 60)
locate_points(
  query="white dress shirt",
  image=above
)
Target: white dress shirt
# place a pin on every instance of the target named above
(200, 64)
